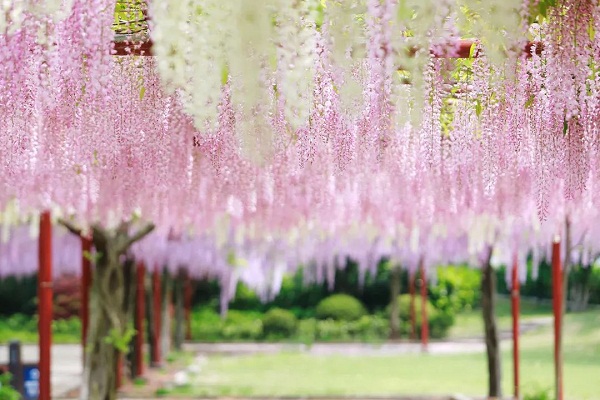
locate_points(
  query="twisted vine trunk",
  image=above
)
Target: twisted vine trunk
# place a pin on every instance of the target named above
(492, 343)
(106, 311)
(111, 306)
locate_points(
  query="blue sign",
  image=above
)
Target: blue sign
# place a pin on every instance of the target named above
(31, 382)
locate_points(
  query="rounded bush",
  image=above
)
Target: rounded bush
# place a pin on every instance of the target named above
(440, 321)
(279, 322)
(340, 307)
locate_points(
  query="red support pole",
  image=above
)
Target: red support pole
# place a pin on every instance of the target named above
(515, 296)
(86, 281)
(557, 297)
(424, 319)
(140, 308)
(156, 305)
(188, 306)
(45, 304)
(119, 371)
(413, 313)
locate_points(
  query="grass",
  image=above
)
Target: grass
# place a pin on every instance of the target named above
(24, 329)
(298, 374)
(470, 323)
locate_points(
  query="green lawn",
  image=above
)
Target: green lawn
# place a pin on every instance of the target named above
(297, 374)
(25, 329)
(470, 323)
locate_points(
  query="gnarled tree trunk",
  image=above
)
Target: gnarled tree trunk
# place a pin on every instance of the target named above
(111, 305)
(492, 343)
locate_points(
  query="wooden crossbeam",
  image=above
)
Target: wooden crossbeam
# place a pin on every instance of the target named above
(463, 50)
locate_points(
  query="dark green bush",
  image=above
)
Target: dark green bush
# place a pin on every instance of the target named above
(307, 330)
(206, 325)
(6, 391)
(367, 328)
(370, 328)
(440, 321)
(330, 330)
(458, 288)
(278, 322)
(242, 326)
(540, 394)
(245, 299)
(340, 307)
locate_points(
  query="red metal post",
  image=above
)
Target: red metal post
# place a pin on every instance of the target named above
(140, 308)
(188, 306)
(156, 306)
(557, 297)
(86, 281)
(413, 314)
(515, 296)
(119, 371)
(424, 318)
(45, 304)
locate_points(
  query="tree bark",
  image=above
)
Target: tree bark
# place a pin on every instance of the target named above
(107, 297)
(492, 343)
(111, 305)
(395, 284)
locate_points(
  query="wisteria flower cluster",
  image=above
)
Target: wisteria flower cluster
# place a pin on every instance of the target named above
(301, 133)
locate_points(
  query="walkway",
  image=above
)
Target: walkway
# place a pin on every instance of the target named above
(67, 365)
(350, 349)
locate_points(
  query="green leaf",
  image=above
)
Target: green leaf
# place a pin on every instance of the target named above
(404, 12)
(543, 8)
(478, 108)
(224, 75)
(565, 127)
(472, 50)
(120, 342)
(529, 101)
(142, 92)
(88, 255)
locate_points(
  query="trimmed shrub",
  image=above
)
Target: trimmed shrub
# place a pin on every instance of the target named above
(242, 326)
(307, 330)
(458, 288)
(440, 321)
(366, 329)
(370, 328)
(330, 330)
(340, 307)
(540, 394)
(278, 322)
(6, 390)
(206, 325)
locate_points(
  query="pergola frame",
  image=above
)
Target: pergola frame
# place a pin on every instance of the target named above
(126, 45)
